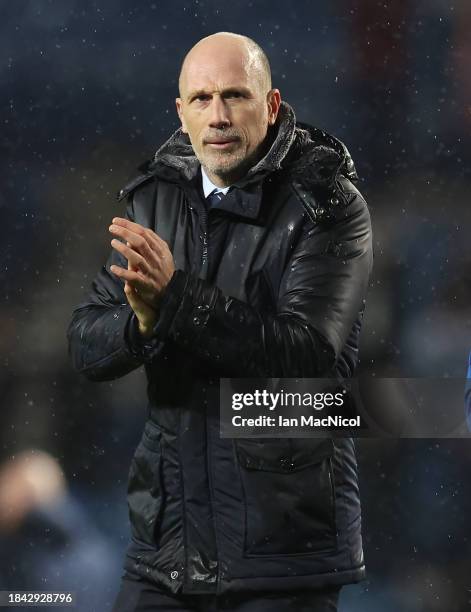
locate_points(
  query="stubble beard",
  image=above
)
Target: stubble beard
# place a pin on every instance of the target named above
(226, 167)
(233, 166)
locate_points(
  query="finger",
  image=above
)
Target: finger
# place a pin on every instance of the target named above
(131, 225)
(137, 241)
(135, 260)
(153, 256)
(129, 263)
(157, 243)
(135, 278)
(120, 226)
(141, 230)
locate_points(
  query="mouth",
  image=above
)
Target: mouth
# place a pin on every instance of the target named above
(221, 143)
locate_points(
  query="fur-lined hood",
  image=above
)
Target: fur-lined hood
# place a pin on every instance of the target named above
(310, 155)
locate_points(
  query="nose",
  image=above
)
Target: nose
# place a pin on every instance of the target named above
(220, 117)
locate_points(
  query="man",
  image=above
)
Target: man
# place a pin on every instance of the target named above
(245, 252)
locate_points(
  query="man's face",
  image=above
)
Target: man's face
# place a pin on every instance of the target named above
(225, 110)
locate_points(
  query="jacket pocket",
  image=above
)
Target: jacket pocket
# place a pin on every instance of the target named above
(289, 495)
(144, 485)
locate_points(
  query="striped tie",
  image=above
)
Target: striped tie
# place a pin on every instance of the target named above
(215, 197)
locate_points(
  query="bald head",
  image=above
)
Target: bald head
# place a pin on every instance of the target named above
(227, 104)
(232, 49)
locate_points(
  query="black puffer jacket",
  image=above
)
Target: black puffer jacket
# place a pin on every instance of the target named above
(270, 282)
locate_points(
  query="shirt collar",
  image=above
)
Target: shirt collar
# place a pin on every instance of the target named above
(209, 187)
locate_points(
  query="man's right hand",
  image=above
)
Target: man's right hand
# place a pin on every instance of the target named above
(150, 268)
(147, 316)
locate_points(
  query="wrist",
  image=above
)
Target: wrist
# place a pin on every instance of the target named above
(145, 331)
(145, 349)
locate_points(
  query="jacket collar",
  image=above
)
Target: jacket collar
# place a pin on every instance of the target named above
(312, 158)
(176, 158)
(176, 161)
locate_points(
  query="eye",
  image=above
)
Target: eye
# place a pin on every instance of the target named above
(233, 94)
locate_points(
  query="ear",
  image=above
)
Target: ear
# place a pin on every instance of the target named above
(273, 102)
(179, 105)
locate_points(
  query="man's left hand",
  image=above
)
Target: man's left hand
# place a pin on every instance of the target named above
(150, 261)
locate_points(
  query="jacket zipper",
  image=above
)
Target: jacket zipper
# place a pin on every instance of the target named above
(204, 269)
(203, 274)
(204, 248)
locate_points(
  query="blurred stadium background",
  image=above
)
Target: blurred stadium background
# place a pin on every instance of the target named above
(88, 90)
